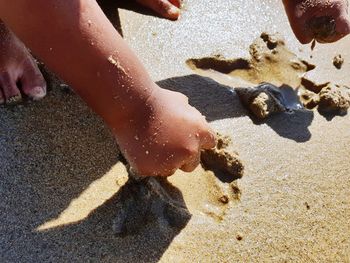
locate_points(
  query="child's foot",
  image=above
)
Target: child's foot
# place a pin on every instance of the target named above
(166, 8)
(18, 70)
(323, 20)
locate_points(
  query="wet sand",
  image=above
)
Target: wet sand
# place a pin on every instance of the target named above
(60, 175)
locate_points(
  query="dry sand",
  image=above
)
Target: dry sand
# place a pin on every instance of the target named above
(60, 175)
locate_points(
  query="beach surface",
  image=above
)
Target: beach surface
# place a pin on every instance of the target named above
(60, 173)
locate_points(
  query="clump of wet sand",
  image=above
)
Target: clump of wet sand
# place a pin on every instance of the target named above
(220, 160)
(329, 97)
(334, 98)
(262, 100)
(271, 61)
(309, 99)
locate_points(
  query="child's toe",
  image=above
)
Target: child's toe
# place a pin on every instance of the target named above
(33, 82)
(2, 98)
(165, 8)
(10, 92)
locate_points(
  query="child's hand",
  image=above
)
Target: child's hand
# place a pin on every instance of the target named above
(166, 135)
(323, 20)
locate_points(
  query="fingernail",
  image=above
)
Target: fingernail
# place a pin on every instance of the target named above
(174, 11)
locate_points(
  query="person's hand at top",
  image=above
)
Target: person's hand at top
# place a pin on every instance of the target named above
(325, 21)
(169, 9)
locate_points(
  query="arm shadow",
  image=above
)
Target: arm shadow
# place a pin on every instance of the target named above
(52, 152)
(217, 101)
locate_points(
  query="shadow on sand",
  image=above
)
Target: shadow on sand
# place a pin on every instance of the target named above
(54, 149)
(51, 152)
(217, 101)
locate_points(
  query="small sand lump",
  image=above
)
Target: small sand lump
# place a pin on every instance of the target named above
(334, 98)
(338, 61)
(224, 199)
(262, 100)
(239, 237)
(220, 160)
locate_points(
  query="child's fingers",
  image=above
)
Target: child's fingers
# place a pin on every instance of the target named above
(167, 9)
(191, 164)
(303, 37)
(176, 3)
(33, 83)
(164, 8)
(343, 26)
(323, 21)
(9, 87)
(2, 98)
(342, 29)
(208, 140)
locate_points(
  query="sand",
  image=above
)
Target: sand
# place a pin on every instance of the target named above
(263, 100)
(338, 61)
(222, 162)
(270, 61)
(287, 87)
(60, 174)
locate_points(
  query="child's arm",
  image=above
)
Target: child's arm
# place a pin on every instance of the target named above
(323, 20)
(157, 130)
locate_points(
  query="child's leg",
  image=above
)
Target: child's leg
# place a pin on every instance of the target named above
(166, 8)
(323, 20)
(157, 130)
(17, 68)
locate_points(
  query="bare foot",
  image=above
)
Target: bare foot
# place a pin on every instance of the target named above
(323, 20)
(166, 8)
(18, 70)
